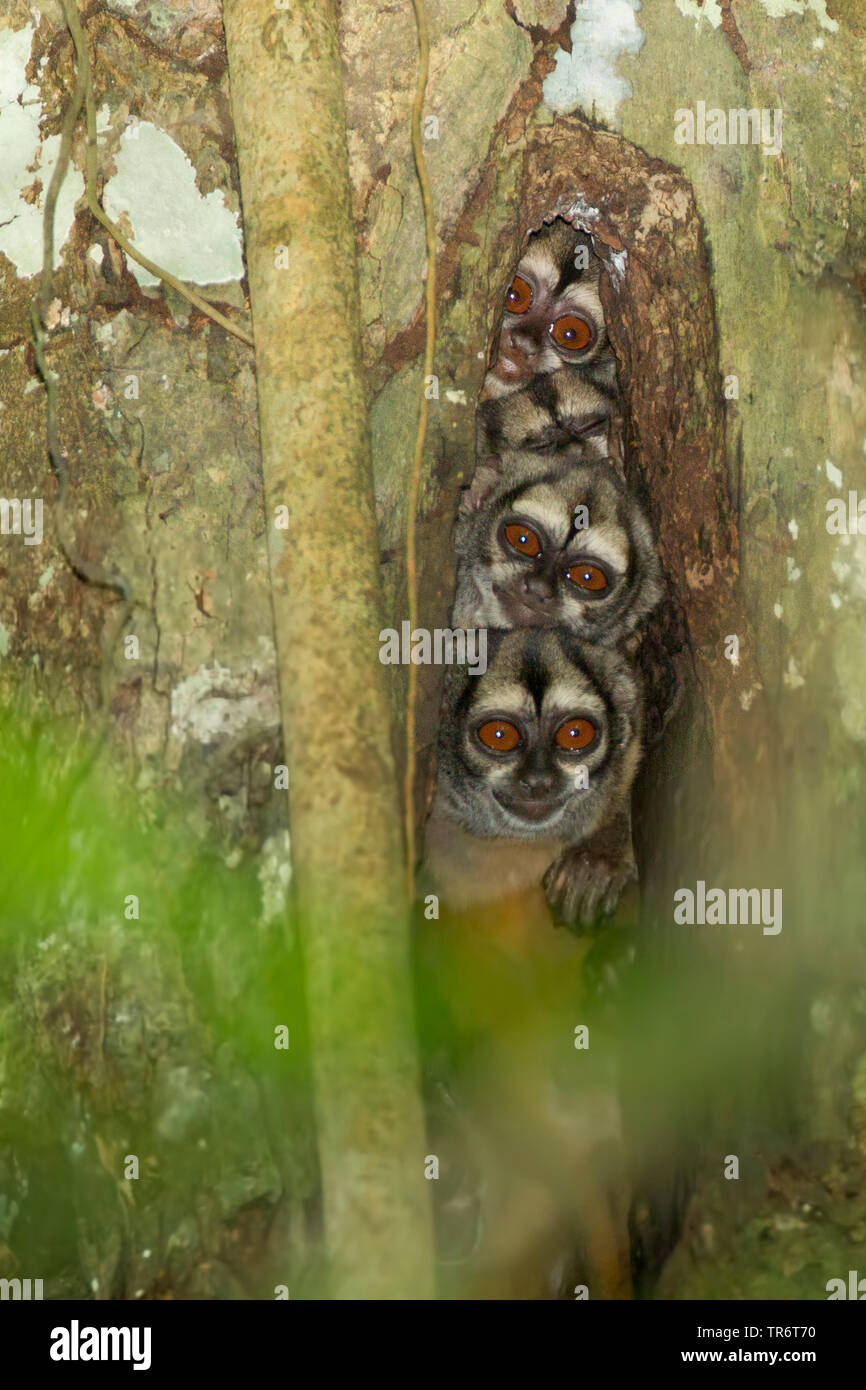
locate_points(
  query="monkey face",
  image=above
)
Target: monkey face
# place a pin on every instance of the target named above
(553, 315)
(552, 413)
(534, 746)
(562, 546)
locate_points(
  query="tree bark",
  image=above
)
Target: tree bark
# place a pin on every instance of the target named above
(287, 101)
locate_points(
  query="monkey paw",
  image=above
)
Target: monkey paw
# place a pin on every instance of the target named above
(582, 887)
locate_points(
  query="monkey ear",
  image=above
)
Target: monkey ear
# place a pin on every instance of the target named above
(484, 479)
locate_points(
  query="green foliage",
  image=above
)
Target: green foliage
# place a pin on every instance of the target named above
(149, 1035)
(153, 1036)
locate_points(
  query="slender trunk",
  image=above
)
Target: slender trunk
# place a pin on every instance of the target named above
(287, 102)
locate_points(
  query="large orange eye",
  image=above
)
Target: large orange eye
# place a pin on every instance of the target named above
(571, 333)
(499, 735)
(521, 539)
(519, 296)
(575, 734)
(587, 577)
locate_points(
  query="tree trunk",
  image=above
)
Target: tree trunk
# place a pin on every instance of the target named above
(287, 103)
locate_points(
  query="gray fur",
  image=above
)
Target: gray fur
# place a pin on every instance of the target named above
(536, 404)
(497, 587)
(536, 678)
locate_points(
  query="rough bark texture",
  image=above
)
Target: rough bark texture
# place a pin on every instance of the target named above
(739, 264)
(344, 809)
(154, 1037)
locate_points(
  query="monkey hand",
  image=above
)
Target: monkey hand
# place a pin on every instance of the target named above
(583, 887)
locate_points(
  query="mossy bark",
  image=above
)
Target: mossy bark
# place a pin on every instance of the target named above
(287, 100)
(738, 322)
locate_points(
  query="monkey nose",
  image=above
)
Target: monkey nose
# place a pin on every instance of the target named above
(536, 786)
(516, 360)
(538, 588)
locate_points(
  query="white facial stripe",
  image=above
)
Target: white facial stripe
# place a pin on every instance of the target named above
(583, 300)
(546, 514)
(505, 699)
(606, 543)
(564, 697)
(541, 266)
